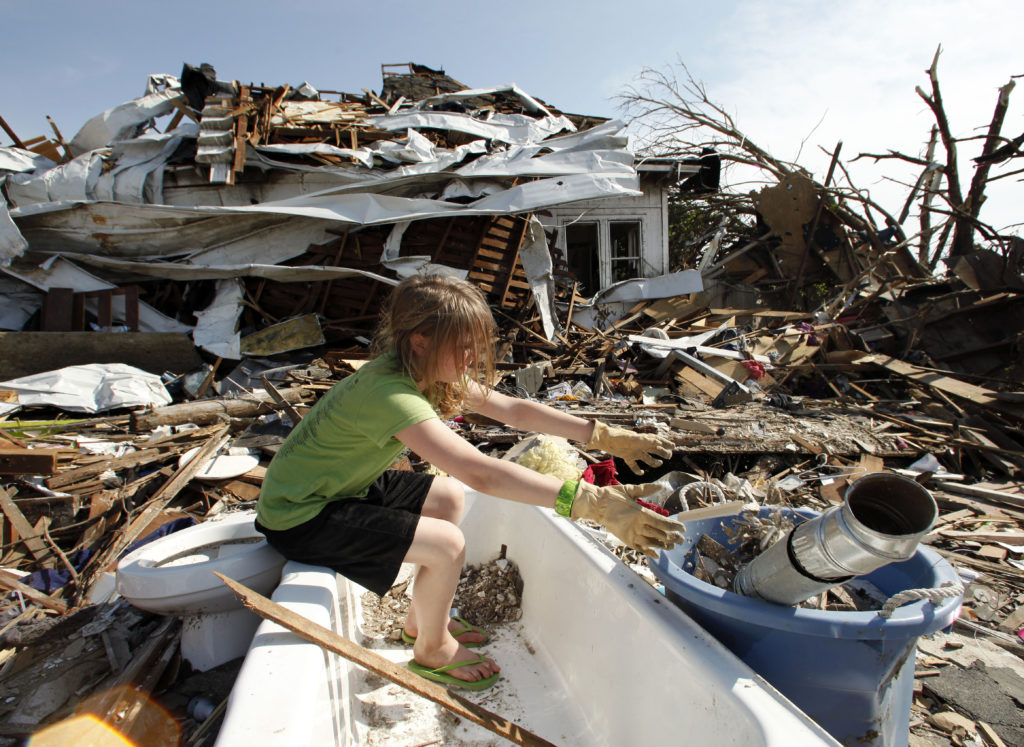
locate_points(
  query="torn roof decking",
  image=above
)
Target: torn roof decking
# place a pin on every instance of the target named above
(449, 179)
(486, 246)
(533, 167)
(426, 148)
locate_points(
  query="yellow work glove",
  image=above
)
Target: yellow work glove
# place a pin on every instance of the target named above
(632, 448)
(615, 508)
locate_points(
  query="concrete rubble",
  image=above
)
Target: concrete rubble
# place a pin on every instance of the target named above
(216, 253)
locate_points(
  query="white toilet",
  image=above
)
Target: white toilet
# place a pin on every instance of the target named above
(173, 575)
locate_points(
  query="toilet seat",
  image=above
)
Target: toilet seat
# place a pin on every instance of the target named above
(173, 575)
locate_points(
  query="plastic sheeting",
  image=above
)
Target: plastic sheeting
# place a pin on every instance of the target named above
(188, 271)
(103, 207)
(82, 206)
(131, 178)
(96, 387)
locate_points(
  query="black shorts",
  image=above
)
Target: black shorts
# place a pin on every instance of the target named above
(364, 539)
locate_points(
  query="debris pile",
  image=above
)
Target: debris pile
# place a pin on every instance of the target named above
(383, 616)
(487, 593)
(490, 593)
(238, 254)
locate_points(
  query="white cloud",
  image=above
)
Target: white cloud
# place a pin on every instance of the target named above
(786, 65)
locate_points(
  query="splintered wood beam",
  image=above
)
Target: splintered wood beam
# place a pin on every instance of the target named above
(10, 133)
(60, 138)
(29, 536)
(210, 411)
(331, 641)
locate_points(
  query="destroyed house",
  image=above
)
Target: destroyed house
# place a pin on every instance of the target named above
(606, 241)
(247, 205)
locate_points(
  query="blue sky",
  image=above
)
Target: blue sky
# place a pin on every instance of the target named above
(798, 75)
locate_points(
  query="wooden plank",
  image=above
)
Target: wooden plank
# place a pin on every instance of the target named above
(9, 581)
(703, 383)
(989, 735)
(329, 640)
(34, 543)
(104, 308)
(1012, 499)
(948, 384)
(15, 461)
(276, 396)
(991, 552)
(1008, 538)
(56, 311)
(133, 459)
(11, 134)
(494, 268)
(254, 476)
(1014, 621)
(27, 353)
(131, 307)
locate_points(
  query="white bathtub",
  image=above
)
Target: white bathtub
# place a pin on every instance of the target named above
(599, 658)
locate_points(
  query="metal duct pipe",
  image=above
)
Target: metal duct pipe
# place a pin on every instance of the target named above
(882, 520)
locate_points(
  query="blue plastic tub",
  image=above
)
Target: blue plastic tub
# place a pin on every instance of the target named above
(852, 672)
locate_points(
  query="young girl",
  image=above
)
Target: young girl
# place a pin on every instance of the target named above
(329, 497)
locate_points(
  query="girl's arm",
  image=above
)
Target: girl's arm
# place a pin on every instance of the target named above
(527, 415)
(632, 448)
(613, 506)
(435, 442)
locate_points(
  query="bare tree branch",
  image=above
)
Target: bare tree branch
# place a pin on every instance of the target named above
(891, 154)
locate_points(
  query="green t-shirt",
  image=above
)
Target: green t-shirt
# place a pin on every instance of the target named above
(344, 443)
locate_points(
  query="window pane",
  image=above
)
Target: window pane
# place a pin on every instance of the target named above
(625, 250)
(625, 239)
(625, 269)
(581, 253)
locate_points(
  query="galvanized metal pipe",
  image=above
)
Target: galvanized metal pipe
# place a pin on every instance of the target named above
(882, 520)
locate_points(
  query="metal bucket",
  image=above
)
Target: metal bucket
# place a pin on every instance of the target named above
(882, 520)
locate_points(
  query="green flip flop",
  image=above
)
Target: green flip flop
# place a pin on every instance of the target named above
(441, 674)
(466, 628)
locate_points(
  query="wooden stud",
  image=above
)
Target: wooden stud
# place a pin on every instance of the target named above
(10, 133)
(15, 461)
(32, 541)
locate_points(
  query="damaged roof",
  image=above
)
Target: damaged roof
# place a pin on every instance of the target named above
(203, 179)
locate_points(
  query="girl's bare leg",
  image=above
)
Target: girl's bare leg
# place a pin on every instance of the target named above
(445, 500)
(439, 549)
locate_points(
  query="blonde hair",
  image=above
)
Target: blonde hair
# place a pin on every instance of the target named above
(451, 313)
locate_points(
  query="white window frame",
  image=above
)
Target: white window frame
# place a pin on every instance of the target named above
(604, 240)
